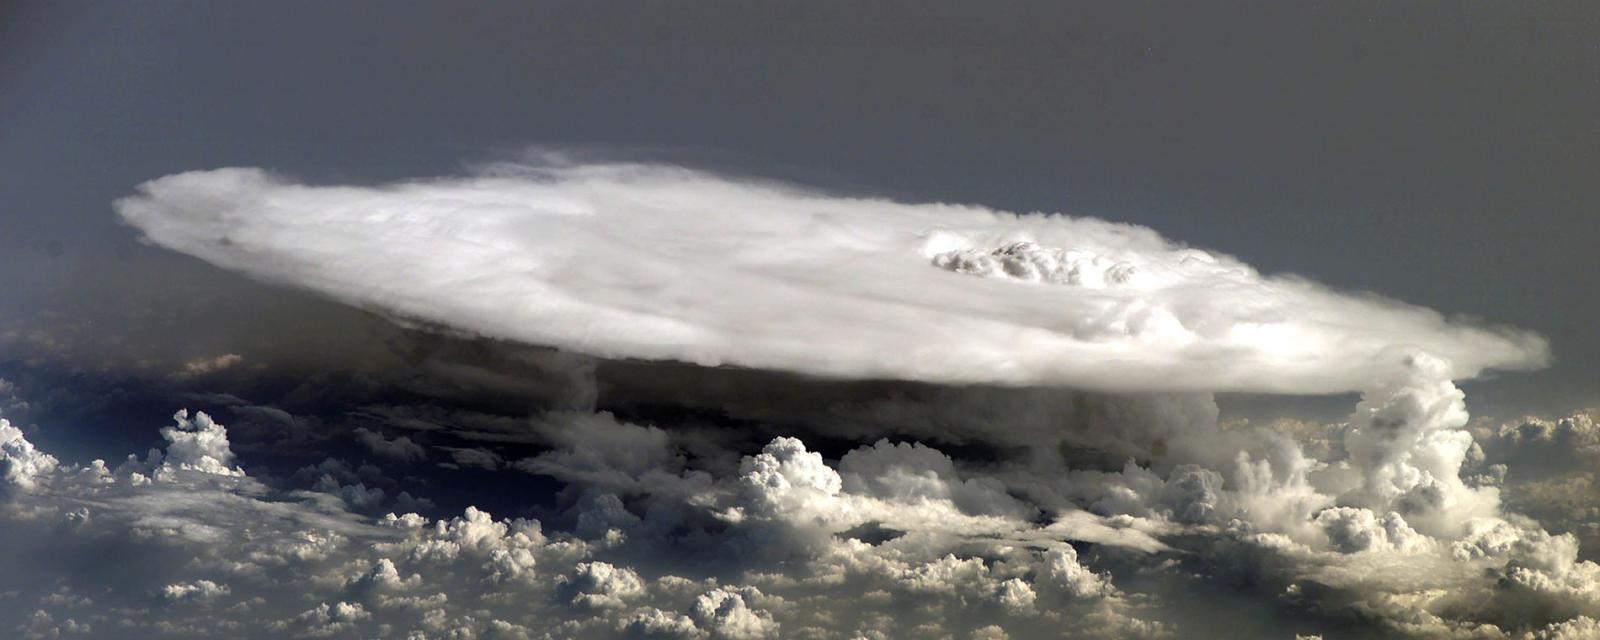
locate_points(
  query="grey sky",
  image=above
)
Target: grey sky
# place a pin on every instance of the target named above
(1444, 156)
(861, 469)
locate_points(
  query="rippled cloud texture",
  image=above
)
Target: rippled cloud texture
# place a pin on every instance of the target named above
(940, 422)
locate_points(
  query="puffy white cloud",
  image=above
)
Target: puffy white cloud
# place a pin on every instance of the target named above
(655, 623)
(787, 481)
(1352, 530)
(1574, 629)
(40, 624)
(1407, 445)
(20, 463)
(725, 614)
(1545, 468)
(1576, 431)
(325, 620)
(664, 263)
(1062, 574)
(991, 632)
(199, 591)
(601, 585)
(1030, 262)
(383, 576)
(199, 445)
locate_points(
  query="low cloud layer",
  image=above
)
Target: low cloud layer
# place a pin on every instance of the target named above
(665, 263)
(890, 540)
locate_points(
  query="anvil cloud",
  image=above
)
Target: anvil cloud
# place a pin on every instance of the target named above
(664, 263)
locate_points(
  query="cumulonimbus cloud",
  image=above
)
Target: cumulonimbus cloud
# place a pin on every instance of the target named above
(664, 263)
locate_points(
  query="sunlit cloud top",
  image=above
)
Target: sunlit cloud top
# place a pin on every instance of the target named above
(664, 263)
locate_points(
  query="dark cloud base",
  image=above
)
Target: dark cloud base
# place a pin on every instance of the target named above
(666, 508)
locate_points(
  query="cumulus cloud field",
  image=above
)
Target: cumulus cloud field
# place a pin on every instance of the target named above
(762, 411)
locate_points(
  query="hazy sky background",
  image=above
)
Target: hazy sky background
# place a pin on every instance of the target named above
(1445, 157)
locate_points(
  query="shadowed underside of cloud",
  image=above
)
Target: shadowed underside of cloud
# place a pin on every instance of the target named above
(664, 263)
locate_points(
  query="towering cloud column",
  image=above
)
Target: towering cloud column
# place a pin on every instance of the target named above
(1407, 446)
